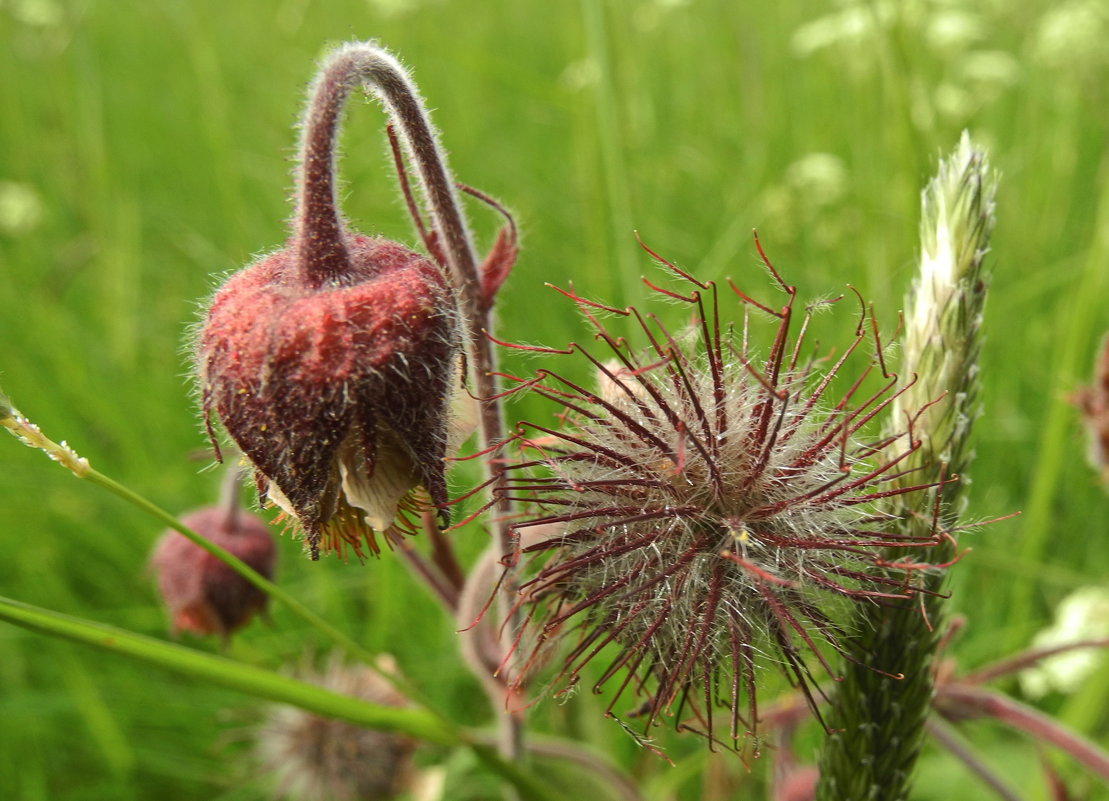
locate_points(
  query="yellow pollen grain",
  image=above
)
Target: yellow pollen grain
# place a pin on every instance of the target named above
(742, 537)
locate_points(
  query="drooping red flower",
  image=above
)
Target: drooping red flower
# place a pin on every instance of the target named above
(332, 363)
(715, 508)
(338, 395)
(202, 594)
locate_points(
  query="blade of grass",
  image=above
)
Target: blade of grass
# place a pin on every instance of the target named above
(1055, 447)
(616, 183)
(228, 673)
(261, 683)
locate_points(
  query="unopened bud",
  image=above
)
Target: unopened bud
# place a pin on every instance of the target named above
(201, 593)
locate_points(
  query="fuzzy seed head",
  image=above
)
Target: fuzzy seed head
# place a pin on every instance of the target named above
(716, 509)
(202, 594)
(312, 758)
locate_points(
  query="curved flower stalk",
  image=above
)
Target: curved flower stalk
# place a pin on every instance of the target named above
(878, 723)
(332, 362)
(715, 509)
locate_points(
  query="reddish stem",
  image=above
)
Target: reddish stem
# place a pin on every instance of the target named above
(368, 64)
(1026, 659)
(955, 700)
(320, 252)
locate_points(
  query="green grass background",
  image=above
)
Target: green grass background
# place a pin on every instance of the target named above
(145, 150)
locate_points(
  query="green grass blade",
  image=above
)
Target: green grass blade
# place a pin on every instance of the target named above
(268, 685)
(228, 673)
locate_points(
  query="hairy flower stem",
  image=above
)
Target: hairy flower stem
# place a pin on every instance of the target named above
(967, 701)
(947, 736)
(364, 63)
(877, 723)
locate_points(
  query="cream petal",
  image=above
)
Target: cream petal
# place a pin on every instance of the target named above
(275, 496)
(378, 495)
(465, 412)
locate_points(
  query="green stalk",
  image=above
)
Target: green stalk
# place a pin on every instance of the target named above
(266, 684)
(224, 672)
(878, 722)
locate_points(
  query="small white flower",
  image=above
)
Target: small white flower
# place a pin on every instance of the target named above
(1082, 615)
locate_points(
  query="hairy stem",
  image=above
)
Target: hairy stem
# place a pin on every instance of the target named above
(321, 252)
(946, 736)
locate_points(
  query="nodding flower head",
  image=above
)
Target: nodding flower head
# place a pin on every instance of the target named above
(331, 363)
(714, 508)
(201, 593)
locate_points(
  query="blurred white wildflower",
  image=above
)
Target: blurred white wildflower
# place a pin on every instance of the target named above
(848, 27)
(978, 77)
(954, 29)
(806, 200)
(942, 25)
(822, 177)
(21, 208)
(652, 14)
(37, 13)
(859, 35)
(994, 67)
(1082, 615)
(581, 74)
(393, 8)
(1072, 36)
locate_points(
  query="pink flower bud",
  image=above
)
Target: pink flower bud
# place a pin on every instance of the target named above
(201, 593)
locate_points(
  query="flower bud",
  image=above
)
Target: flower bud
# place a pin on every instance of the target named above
(202, 594)
(338, 395)
(331, 363)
